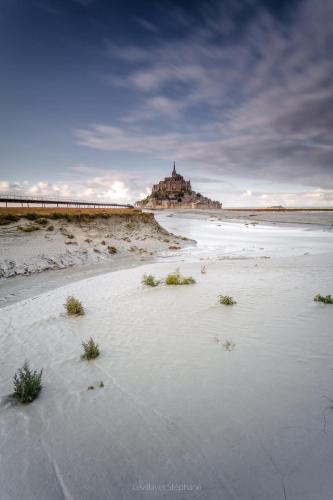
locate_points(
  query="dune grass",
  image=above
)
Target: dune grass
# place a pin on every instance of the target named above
(27, 384)
(176, 278)
(13, 214)
(91, 349)
(226, 300)
(74, 307)
(150, 280)
(328, 299)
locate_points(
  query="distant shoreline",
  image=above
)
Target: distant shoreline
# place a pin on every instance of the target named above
(313, 217)
(244, 209)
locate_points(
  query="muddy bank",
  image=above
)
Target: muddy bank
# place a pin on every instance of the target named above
(34, 242)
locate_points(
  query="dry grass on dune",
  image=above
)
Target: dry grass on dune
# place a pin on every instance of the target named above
(13, 214)
(64, 210)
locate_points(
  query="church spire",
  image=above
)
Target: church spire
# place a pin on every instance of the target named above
(174, 169)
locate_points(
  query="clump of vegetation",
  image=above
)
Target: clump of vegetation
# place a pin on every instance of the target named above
(27, 384)
(74, 307)
(176, 278)
(7, 218)
(91, 349)
(88, 240)
(31, 216)
(103, 242)
(321, 298)
(50, 228)
(69, 236)
(150, 280)
(174, 247)
(226, 300)
(29, 228)
(42, 221)
(112, 250)
(229, 346)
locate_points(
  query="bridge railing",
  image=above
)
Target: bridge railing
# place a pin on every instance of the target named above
(57, 200)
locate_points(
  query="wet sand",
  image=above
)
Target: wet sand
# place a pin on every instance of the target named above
(179, 409)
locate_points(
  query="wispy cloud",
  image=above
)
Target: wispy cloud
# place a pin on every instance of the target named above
(147, 25)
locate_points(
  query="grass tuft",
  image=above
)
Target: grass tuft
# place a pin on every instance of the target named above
(27, 384)
(228, 346)
(176, 278)
(74, 307)
(226, 300)
(31, 216)
(7, 218)
(91, 349)
(42, 221)
(150, 280)
(321, 298)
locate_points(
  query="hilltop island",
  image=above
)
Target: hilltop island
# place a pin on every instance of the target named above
(176, 192)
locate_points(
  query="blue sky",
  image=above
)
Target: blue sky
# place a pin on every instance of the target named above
(97, 98)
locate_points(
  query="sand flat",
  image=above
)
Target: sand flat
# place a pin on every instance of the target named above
(179, 410)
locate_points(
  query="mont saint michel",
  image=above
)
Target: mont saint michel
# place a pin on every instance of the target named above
(176, 192)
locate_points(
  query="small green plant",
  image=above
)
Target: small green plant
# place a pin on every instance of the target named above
(150, 280)
(27, 384)
(321, 298)
(91, 349)
(176, 278)
(112, 250)
(226, 300)
(74, 307)
(228, 346)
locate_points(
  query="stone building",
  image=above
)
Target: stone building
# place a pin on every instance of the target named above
(172, 185)
(176, 192)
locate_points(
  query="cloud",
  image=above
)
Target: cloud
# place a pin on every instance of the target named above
(247, 194)
(147, 25)
(112, 187)
(256, 105)
(117, 186)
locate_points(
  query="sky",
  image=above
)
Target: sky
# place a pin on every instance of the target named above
(99, 97)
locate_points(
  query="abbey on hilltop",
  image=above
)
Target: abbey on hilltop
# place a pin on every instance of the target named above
(176, 192)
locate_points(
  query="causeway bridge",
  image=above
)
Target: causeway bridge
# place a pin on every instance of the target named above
(46, 201)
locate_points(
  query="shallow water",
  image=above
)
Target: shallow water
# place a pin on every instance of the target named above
(179, 415)
(218, 239)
